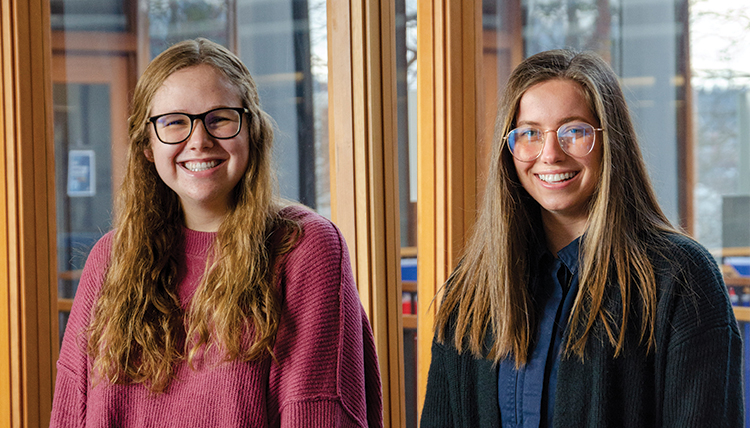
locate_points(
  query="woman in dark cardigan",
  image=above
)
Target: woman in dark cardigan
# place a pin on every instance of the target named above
(577, 304)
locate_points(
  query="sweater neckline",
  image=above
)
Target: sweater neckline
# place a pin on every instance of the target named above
(198, 243)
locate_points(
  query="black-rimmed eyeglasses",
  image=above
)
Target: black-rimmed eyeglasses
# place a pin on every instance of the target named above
(576, 139)
(221, 123)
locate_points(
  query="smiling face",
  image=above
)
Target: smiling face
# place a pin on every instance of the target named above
(561, 184)
(202, 170)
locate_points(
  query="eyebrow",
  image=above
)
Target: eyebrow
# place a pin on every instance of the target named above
(562, 122)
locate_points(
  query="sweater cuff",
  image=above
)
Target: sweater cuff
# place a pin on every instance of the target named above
(322, 412)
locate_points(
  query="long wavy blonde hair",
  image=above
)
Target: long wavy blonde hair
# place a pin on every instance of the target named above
(489, 290)
(139, 332)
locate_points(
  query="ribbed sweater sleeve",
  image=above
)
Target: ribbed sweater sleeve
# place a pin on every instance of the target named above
(703, 347)
(69, 405)
(320, 378)
(437, 403)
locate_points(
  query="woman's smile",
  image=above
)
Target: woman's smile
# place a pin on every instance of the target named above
(197, 166)
(557, 178)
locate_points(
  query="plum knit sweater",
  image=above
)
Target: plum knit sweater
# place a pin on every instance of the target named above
(326, 373)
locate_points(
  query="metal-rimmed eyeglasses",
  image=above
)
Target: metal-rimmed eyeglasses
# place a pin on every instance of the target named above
(221, 123)
(575, 138)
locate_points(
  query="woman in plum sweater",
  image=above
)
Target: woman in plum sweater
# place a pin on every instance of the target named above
(212, 304)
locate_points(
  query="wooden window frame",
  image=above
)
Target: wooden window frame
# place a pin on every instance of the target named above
(449, 113)
(364, 169)
(28, 304)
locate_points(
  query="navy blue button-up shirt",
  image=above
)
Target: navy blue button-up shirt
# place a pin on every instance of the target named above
(527, 395)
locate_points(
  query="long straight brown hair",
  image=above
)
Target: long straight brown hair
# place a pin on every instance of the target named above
(489, 292)
(139, 331)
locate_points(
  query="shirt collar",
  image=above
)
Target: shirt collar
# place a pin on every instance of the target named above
(567, 256)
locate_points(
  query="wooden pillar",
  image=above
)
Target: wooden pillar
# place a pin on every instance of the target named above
(449, 53)
(28, 322)
(364, 182)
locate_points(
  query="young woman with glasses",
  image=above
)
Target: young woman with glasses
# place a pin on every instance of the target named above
(576, 303)
(212, 303)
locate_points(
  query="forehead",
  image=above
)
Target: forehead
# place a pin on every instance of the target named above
(555, 100)
(195, 89)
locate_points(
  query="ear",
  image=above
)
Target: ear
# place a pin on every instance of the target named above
(149, 154)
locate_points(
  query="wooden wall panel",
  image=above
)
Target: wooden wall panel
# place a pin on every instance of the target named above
(6, 383)
(364, 182)
(28, 331)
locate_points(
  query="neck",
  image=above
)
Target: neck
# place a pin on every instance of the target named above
(204, 219)
(561, 231)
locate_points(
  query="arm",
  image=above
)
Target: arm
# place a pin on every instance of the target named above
(69, 402)
(703, 381)
(325, 373)
(703, 369)
(436, 411)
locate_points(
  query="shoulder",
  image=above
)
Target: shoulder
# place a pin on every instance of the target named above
(318, 254)
(89, 288)
(307, 218)
(102, 249)
(95, 269)
(685, 246)
(99, 257)
(318, 235)
(679, 255)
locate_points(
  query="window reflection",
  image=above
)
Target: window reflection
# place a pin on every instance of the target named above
(89, 15)
(83, 154)
(274, 42)
(718, 192)
(171, 21)
(406, 86)
(581, 24)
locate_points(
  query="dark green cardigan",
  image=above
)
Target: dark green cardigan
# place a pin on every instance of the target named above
(692, 379)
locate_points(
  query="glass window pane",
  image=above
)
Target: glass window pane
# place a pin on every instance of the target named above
(283, 44)
(721, 91)
(406, 86)
(720, 81)
(83, 177)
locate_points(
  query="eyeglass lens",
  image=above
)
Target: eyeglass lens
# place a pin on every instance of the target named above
(176, 127)
(576, 139)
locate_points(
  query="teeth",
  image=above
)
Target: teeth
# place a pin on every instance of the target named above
(200, 166)
(556, 178)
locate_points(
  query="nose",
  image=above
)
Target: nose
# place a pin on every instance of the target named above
(552, 152)
(199, 137)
